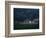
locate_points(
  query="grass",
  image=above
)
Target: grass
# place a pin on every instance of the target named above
(26, 26)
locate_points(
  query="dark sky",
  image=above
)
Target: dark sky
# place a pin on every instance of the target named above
(20, 14)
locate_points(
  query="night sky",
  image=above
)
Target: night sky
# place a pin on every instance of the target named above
(20, 14)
